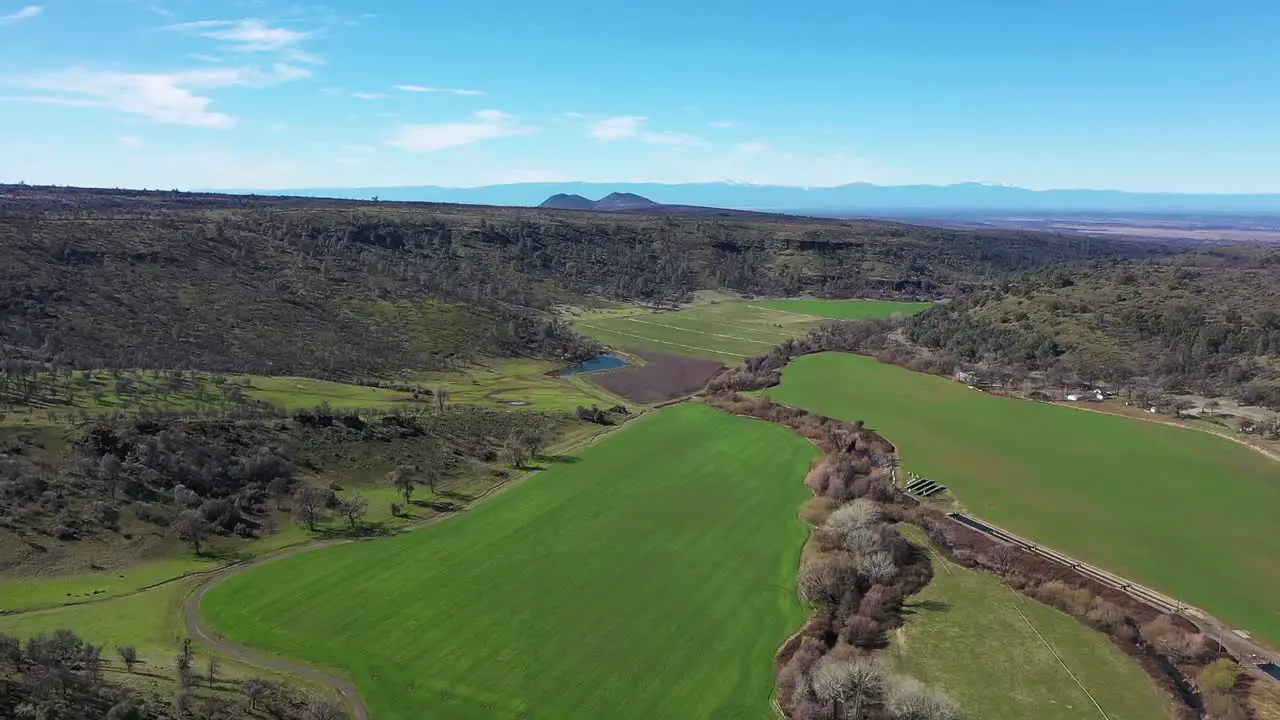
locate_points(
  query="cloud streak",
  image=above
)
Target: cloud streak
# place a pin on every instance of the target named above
(25, 13)
(168, 98)
(433, 137)
(632, 127)
(250, 35)
(429, 89)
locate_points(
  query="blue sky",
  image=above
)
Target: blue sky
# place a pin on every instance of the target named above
(1129, 94)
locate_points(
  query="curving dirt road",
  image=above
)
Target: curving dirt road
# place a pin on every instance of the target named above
(191, 617)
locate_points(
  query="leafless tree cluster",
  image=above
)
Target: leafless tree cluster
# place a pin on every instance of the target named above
(60, 676)
(857, 581)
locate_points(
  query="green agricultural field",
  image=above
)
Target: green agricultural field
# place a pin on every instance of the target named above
(844, 309)
(1187, 512)
(654, 576)
(728, 330)
(972, 636)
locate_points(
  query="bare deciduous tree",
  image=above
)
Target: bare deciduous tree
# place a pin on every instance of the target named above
(129, 656)
(354, 508)
(513, 452)
(825, 581)
(536, 440)
(848, 686)
(1003, 557)
(402, 479)
(309, 504)
(878, 566)
(442, 396)
(910, 699)
(190, 527)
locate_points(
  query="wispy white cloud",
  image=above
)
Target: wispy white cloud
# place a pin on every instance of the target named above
(429, 89)
(202, 57)
(632, 127)
(129, 141)
(617, 128)
(369, 95)
(25, 13)
(485, 125)
(574, 115)
(251, 35)
(723, 124)
(171, 98)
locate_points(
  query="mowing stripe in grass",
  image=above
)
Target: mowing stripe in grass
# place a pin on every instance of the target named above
(702, 332)
(786, 312)
(664, 342)
(654, 577)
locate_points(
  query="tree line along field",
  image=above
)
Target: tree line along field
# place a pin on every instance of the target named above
(728, 331)
(986, 645)
(652, 577)
(1186, 512)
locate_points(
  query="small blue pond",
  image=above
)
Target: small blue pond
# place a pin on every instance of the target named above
(595, 364)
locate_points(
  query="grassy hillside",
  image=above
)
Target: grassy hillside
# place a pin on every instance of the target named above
(728, 331)
(616, 586)
(1208, 322)
(990, 648)
(1184, 511)
(279, 286)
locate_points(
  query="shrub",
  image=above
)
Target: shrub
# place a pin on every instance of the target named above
(816, 510)
(1219, 676)
(1067, 598)
(825, 581)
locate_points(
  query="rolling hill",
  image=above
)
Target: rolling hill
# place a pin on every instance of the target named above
(335, 289)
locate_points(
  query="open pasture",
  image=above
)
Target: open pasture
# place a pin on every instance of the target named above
(728, 331)
(989, 648)
(653, 575)
(1186, 512)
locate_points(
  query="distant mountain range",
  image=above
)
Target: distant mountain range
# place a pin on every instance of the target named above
(855, 198)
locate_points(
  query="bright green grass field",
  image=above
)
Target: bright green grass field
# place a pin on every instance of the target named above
(964, 634)
(654, 577)
(729, 331)
(1184, 511)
